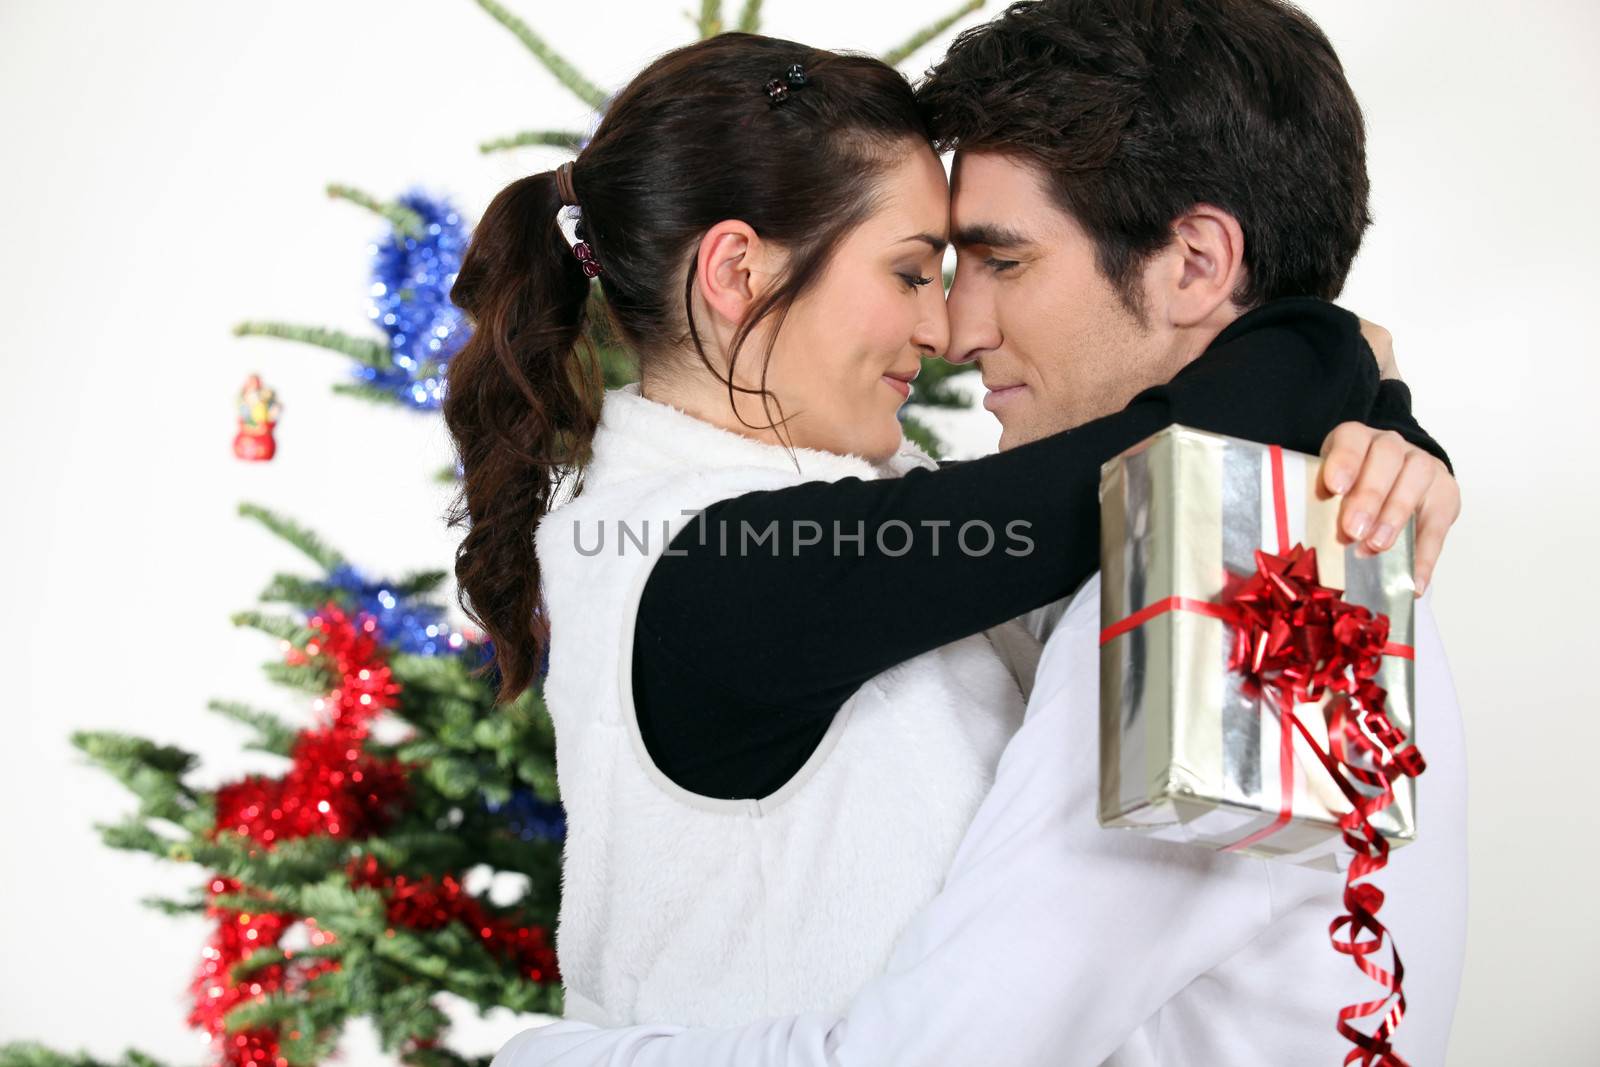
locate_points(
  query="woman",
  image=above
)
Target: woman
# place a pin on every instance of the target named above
(770, 739)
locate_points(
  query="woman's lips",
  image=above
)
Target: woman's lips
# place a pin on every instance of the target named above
(900, 385)
(999, 396)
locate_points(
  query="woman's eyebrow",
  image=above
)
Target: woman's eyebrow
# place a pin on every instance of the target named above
(933, 241)
(989, 235)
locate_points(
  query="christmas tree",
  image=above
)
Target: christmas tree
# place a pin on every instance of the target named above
(354, 884)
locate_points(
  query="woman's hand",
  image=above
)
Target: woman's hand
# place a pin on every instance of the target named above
(1387, 479)
(1382, 345)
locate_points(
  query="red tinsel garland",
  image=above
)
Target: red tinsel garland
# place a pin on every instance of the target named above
(430, 903)
(333, 787)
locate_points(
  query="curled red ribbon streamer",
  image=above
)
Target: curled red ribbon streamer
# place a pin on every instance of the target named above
(1296, 641)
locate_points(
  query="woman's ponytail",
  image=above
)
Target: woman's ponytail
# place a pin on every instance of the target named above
(522, 403)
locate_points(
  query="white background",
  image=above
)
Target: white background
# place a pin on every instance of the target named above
(163, 173)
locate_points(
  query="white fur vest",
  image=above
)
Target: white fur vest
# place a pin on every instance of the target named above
(686, 909)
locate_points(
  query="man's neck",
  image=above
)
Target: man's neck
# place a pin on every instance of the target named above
(1190, 342)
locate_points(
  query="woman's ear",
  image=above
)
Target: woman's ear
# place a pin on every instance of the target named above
(731, 270)
(1206, 264)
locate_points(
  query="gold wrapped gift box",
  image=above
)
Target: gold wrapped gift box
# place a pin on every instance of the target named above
(1186, 752)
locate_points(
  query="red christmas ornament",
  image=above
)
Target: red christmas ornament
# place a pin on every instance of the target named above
(258, 415)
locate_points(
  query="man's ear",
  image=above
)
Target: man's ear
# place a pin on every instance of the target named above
(1204, 265)
(731, 269)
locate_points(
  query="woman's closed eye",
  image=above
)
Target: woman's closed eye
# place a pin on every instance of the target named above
(916, 281)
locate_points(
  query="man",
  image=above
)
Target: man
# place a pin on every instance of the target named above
(1132, 178)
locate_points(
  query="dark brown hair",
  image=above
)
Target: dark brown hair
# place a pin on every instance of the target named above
(1137, 110)
(690, 142)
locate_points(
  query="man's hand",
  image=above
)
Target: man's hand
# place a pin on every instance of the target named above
(1387, 480)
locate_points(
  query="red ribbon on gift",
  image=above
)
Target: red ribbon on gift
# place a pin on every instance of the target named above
(1296, 641)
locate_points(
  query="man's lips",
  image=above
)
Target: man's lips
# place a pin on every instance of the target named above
(1000, 395)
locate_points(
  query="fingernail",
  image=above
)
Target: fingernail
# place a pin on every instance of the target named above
(1339, 480)
(1382, 536)
(1358, 525)
(1422, 586)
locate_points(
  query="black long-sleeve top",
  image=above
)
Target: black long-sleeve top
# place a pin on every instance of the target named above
(741, 659)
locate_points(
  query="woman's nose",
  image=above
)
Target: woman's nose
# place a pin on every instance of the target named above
(932, 335)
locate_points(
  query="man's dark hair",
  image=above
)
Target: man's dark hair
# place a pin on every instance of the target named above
(1137, 110)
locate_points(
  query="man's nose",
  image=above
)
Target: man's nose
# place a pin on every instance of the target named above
(972, 326)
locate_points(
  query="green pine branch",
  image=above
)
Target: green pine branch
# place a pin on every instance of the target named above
(125, 756)
(564, 72)
(897, 55)
(312, 1037)
(407, 1016)
(283, 627)
(309, 1021)
(153, 773)
(915, 430)
(405, 221)
(419, 583)
(309, 544)
(133, 835)
(932, 387)
(312, 1047)
(367, 351)
(354, 913)
(567, 139)
(29, 1054)
(279, 872)
(367, 391)
(251, 900)
(709, 23)
(310, 678)
(170, 907)
(273, 734)
(304, 593)
(424, 849)
(434, 678)
(310, 593)
(452, 959)
(260, 958)
(750, 17)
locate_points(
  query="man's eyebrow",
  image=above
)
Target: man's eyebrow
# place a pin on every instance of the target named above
(989, 235)
(932, 240)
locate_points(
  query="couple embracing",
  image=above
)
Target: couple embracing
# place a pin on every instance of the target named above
(826, 714)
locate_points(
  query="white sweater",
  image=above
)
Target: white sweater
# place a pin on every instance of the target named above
(677, 907)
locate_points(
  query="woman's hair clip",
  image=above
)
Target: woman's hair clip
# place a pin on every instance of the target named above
(778, 88)
(586, 260)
